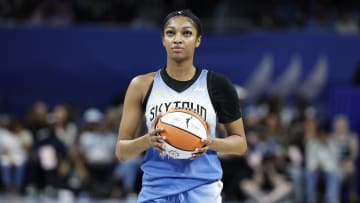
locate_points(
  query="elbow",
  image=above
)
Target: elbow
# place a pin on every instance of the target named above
(243, 149)
(243, 146)
(119, 156)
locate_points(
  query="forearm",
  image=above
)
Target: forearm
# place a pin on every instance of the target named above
(234, 144)
(126, 149)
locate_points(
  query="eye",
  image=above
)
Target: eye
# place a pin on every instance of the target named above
(169, 33)
(187, 33)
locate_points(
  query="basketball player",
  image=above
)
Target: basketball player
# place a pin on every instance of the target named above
(180, 85)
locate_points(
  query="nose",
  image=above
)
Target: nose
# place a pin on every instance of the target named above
(178, 39)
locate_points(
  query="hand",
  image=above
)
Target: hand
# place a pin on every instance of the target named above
(200, 151)
(154, 137)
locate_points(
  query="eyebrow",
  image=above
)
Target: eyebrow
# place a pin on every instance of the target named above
(186, 27)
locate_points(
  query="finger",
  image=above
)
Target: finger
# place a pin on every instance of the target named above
(158, 142)
(199, 151)
(207, 127)
(158, 130)
(206, 141)
(160, 147)
(158, 139)
(195, 155)
(155, 121)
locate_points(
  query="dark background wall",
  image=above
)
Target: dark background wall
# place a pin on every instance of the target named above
(89, 66)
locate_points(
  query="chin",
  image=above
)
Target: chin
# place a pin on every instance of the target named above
(178, 58)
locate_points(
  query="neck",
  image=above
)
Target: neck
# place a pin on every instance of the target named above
(182, 71)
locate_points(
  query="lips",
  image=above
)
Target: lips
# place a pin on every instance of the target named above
(177, 49)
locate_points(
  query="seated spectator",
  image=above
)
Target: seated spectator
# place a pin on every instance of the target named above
(14, 149)
(64, 129)
(347, 142)
(50, 153)
(97, 146)
(269, 182)
(71, 175)
(321, 164)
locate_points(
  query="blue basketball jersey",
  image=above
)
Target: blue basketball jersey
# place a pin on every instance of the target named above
(166, 176)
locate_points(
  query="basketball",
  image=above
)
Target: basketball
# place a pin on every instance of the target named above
(183, 130)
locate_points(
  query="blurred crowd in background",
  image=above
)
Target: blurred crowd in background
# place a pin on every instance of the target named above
(341, 16)
(62, 153)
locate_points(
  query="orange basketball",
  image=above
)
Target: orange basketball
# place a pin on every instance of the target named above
(183, 130)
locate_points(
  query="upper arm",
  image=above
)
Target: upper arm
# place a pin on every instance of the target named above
(224, 98)
(132, 110)
(226, 103)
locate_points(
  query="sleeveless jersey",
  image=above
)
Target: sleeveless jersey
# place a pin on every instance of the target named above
(164, 176)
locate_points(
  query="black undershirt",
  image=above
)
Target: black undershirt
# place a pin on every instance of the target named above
(222, 93)
(178, 85)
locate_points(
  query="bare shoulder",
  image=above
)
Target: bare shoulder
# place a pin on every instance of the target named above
(141, 83)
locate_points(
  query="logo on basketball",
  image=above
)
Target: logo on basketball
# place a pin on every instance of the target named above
(173, 154)
(187, 122)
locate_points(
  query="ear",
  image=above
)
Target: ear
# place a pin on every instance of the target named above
(198, 42)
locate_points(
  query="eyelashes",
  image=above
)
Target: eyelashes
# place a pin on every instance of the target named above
(185, 33)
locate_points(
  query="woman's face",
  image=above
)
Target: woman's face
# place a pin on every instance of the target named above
(60, 113)
(180, 38)
(341, 126)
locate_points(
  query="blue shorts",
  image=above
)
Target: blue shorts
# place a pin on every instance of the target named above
(209, 193)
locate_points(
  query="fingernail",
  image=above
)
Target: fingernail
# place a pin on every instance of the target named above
(163, 137)
(196, 150)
